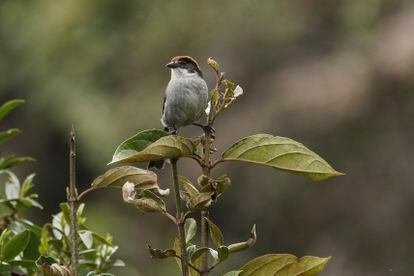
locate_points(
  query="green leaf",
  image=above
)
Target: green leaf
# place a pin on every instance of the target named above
(150, 195)
(16, 245)
(223, 253)
(33, 202)
(199, 252)
(87, 238)
(159, 253)
(147, 201)
(236, 247)
(11, 160)
(188, 186)
(213, 64)
(50, 267)
(167, 147)
(190, 229)
(201, 201)
(137, 143)
(8, 134)
(23, 263)
(203, 180)
(31, 252)
(284, 264)
(4, 238)
(9, 106)
(233, 273)
(27, 184)
(223, 183)
(177, 249)
(280, 153)
(117, 177)
(215, 232)
(30, 226)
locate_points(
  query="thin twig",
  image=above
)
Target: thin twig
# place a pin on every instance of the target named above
(171, 217)
(180, 222)
(90, 189)
(207, 166)
(73, 204)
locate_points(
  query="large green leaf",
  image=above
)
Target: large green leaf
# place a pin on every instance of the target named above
(280, 153)
(9, 106)
(16, 245)
(137, 143)
(152, 145)
(284, 265)
(117, 177)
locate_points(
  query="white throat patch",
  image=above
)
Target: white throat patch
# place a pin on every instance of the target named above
(179, 73)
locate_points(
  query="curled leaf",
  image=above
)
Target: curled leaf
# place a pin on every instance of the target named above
(160, 254)
(236, 247)
(50, 267)
(188, 186)
(146, 201)
(201, 201)
(281, 153)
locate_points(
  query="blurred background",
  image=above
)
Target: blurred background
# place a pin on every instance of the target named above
(334, 75)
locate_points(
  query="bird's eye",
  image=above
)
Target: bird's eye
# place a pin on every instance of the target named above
(182, 62)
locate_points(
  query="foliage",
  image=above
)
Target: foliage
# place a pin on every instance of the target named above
(29, 249)
(199, 259)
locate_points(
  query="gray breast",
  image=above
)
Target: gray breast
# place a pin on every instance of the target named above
(185, 102)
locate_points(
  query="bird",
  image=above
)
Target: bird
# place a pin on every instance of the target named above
(186, 98)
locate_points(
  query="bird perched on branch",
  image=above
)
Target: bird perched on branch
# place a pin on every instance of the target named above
(186, 97)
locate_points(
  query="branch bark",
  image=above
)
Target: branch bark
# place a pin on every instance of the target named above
(73, 204)
(180, 219)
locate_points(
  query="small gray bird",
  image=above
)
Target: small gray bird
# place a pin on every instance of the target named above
(186, 97)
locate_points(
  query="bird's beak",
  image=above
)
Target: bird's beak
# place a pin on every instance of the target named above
(171, 64)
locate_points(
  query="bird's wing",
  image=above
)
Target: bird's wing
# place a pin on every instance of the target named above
(163, 104)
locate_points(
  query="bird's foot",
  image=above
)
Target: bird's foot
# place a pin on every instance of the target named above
(172, 131)
(207, 128)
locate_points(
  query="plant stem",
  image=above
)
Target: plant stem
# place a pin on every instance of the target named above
(179, 219)
(73, 204)
(204, 213)
(206, 164)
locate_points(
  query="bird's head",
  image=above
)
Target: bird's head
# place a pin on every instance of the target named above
(184, 66)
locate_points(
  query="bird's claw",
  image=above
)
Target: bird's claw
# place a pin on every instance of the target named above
(207, 128)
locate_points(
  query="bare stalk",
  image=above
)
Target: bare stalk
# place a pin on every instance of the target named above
(204, 214)
(73, 204)
(206, 165)
(180, 219)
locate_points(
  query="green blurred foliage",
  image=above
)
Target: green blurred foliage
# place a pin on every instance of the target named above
(335, 75)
